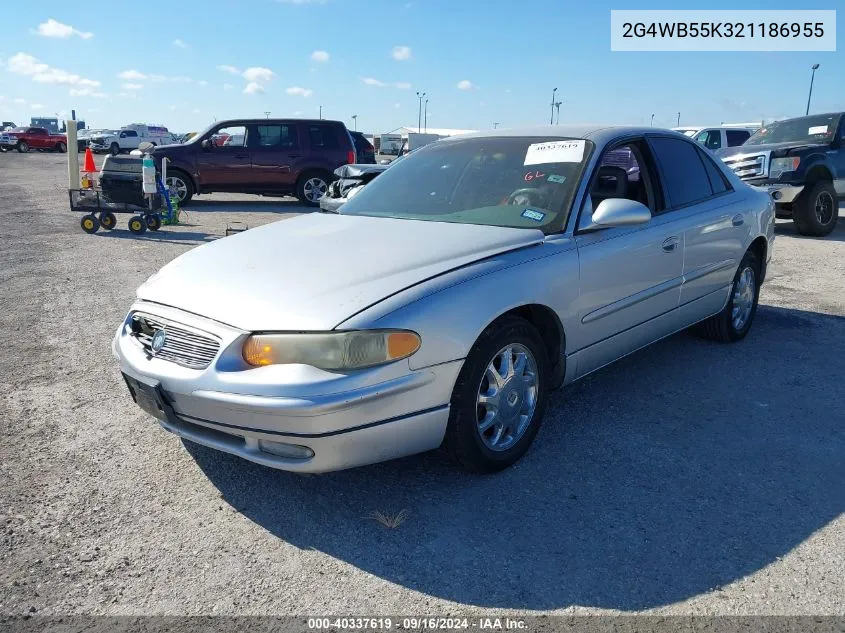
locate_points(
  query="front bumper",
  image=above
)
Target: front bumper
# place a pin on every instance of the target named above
(347, 420)
(781, 193)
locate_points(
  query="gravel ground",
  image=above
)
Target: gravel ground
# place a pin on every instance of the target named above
(689, 478)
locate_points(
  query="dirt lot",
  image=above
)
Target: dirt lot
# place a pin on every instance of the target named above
(689, 478)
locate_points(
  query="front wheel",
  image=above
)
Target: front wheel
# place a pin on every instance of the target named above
(734, 321)
(311, 187)
(114, 149)
(181, 186)
(23, 147)
(817, 210)
(153, 221)
(137, 224)
(61, 147)
(499, 398)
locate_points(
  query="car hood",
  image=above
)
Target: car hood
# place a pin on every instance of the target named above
(767, 147)
(317, 270)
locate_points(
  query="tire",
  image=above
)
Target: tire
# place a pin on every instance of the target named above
(61, 147)
(153, 221)
(137, 224)
(310, 184)
(476, 448)
(726, 327)
(23, 147)
(114, 149)
(816, 210)
(89, 223)
(108, 220)
(182, 184)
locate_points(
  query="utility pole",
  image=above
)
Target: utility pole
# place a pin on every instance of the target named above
(557, 107)
(552, 117)
(679, 119)
(355, 122)
(652, 120)
(420, 96)
(266, 114)
(815, 67)
(495, 125)
(321, 112)
(425, 117)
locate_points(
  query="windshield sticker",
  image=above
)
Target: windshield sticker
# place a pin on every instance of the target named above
(555, 152)
(817, 129)
(532, 214)
(531, 175)
(555, 178)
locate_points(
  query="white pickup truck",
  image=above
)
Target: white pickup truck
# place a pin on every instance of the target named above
(128, 138)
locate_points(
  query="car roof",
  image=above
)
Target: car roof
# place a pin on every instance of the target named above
(271, 121)
(599, 134)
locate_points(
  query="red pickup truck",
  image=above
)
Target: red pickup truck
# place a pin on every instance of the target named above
(24, 139)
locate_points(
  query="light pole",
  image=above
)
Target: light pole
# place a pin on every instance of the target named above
(266, 114)
(679, 119)
(355, 122)
(495, 125)
(652, 120)
(321, 112)
(420, 96)
(425, 117)
(552, 117)
(557, 107)
(815, 67)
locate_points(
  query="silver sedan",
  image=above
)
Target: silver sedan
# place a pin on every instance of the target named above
(443, 302)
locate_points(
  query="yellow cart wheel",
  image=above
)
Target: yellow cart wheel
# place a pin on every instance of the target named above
(89, 223)
(137, 224)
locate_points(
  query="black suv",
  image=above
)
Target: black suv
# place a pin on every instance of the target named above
(365, 150)
(263, 156)
(801, 163)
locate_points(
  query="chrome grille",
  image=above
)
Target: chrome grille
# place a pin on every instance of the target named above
(183, 344)
(747, 166)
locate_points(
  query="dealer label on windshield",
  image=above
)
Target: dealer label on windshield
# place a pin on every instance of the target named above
(555, 152)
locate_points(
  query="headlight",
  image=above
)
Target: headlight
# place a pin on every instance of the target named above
(331, 350)
(781, 165)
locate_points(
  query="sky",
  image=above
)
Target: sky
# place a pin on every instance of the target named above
(185, 63)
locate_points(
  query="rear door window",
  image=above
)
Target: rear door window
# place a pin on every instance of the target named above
(711, 139)
(736, 137)
(684, 177)
(322, 137)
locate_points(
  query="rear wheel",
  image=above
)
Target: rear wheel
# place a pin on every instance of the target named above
(137, 224)
(499, 398)
(181, 186)
(312, 186)
(61, 147)
(108, 220)
(23, 147)
(89, 223)
(734, 321)
(816, 211)
(114, 149)
(153, 221)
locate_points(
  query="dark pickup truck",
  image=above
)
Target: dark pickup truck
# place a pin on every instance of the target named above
(801, 163)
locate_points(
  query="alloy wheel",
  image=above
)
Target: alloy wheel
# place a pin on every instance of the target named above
(743, 298)
(824, 208)
(314, 189)
(177, 186)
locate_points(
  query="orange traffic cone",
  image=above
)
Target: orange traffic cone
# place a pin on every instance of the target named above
(89, 166)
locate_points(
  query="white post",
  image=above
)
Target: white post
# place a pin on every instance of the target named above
(164, 162)
(72, 155)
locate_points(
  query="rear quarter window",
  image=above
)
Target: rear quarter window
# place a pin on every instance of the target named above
(323, 137)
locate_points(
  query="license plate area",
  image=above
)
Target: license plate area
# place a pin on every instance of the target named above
(147, 395)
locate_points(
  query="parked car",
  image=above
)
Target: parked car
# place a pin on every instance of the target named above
(128, 138)
(801, 163)
(446, 299)
(349, 182)
(263, 156)
(83, 136)
(366, 153)
(24, 139)
(715, 138)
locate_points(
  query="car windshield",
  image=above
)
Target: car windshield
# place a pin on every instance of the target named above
(819, 128)
(520, 182)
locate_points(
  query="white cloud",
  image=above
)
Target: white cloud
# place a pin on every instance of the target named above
(37, 106)
(176, 80)
(131, 74)
(2, 98)
(180, 43)
(258, 73)
(202, 83)
(320, 56)
(173, 107)
(397, 105)
(466, 84)
(302, 92)
(27, 65)
(401, 53)
(226, 68)
(19, 100)
(373, 82)
(228, 87)
(253, 88)
(403, 85)
(87, 92)
(53, 28)
(196, 111)
(132, 86)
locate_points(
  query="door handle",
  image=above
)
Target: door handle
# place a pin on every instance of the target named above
(737, 220)
(670, 243)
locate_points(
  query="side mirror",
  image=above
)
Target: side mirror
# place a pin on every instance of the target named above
(617, 212)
